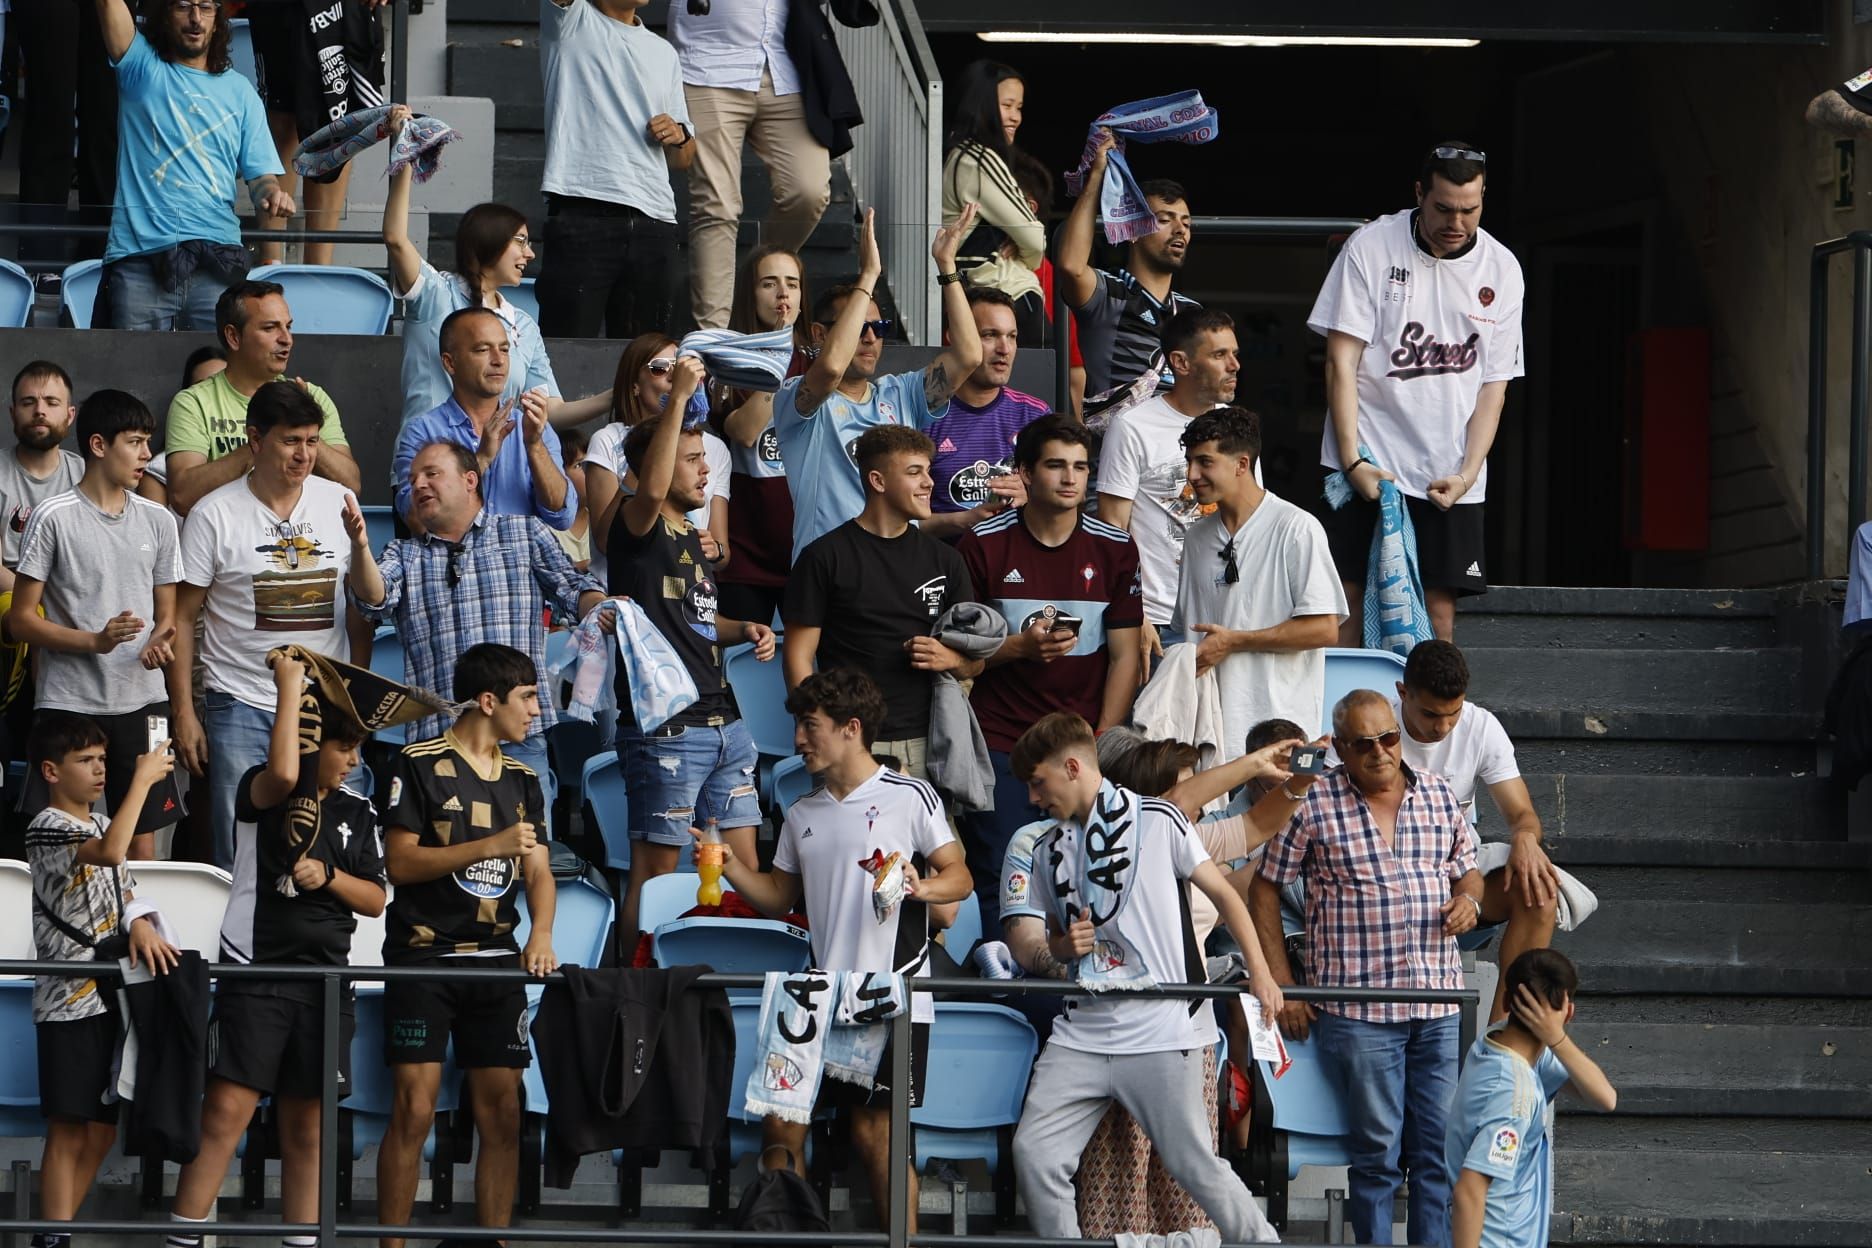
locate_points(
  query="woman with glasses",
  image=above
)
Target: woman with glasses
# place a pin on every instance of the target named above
(493, 247)
(1008, 241)
(641, 390)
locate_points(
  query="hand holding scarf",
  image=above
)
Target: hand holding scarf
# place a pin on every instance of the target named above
(1178, 118)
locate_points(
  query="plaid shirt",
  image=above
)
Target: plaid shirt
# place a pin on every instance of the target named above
(510, 568)
(1373, 911)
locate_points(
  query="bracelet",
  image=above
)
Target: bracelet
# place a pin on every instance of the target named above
(859, 290)
(1292, 796)
(1478, 905)
(949, 279)
(1354, 465)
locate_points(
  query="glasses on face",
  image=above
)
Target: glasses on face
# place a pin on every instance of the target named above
(662, 364)
(877, 329)
(1365, 745)
(1231, 571)
(1460, 153)
(526, 244)
(182, 8)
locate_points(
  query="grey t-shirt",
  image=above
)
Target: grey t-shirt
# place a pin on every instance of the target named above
(20, 492)
(95, 565)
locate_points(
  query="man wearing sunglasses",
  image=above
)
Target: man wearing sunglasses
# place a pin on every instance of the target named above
(820, 415)
(1389, 864)
(1421, 312)
(1257, 590)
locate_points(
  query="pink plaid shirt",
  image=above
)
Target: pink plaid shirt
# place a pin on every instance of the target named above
(1373, 913)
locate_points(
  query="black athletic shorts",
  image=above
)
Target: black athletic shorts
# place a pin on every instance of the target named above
(317, 59)
(75, 1061)
(1449, 543)
(268, 1037)
(837, 1094)
(126, 739)
(487, 1020)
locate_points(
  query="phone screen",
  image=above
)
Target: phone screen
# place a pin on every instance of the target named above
(1067, 624)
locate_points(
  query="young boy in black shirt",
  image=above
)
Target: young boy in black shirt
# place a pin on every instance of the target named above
(308, 859)
(461, 842)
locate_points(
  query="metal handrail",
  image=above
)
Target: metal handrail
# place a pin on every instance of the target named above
(333, 978)
(1202, 227)
(1859, 242)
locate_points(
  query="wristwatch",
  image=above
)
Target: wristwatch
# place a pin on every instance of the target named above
(949, 279)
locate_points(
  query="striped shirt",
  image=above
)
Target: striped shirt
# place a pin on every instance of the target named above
(1373, 912)
(1121, 331)
(509, 569)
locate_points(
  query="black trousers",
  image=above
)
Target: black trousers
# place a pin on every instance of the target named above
(610, 271)
(68, 81)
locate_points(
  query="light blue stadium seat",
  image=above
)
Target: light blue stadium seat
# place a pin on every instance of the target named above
(791, 781)
(760, 691)
(602, 783)
(373, 1094)
(16, 296)
(731, 946)
(331, 298)
(523, 297)
(19, 1062)
(1300, 1120)
(240, 49)
(380, 526)
(78, 289)
(980, 1056)
(1348, 669)
(582, 921)
(386, 660)
(966, 930)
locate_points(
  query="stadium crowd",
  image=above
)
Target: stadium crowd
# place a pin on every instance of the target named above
(1063, 662)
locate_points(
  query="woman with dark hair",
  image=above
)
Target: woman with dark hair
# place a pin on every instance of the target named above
(1008, 241)
(492, 249)
(770, 292)
(640, 391)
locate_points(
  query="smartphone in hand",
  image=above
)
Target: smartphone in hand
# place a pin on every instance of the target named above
(1307, 760)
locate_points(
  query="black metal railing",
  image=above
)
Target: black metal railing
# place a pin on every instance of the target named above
(1819, 274)
(332, 979)
(1200, 227)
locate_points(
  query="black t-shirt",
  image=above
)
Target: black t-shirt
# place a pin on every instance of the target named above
(436, 793)
(666, 574)
(869, 595)
(263, 924)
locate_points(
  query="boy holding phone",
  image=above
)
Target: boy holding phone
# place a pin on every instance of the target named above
(84, 909)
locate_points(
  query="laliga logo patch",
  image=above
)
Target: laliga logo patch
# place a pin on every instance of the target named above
(1016, 886)
(782, 1073)
(1504, 1147)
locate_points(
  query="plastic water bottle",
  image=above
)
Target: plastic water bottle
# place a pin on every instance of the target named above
(710, 855)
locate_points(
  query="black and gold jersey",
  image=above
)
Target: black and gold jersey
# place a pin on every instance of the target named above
(436, 793)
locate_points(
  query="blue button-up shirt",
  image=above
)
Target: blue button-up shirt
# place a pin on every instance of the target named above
(508, 570)
(507, 486)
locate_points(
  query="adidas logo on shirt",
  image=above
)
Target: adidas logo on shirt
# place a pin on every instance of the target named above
(1475, 569)
(806, 834)
(453, 803)
(1013, 577)
(946, 447)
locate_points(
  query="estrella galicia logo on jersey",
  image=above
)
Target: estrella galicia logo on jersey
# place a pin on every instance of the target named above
(1420, 354)
(768, 447)
(851, 451)
(491, 877)
(698, 608)
(970, 485)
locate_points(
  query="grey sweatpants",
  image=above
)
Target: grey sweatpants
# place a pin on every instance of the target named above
(1070, 1092)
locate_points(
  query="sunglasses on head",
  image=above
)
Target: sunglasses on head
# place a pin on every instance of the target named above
(1365, 745)
(1460, 153)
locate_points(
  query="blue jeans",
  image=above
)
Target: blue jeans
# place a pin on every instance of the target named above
(532, 752)
(1400, 1079)
(238, 737)
(985, 837)
(131, 295)
(687, 777)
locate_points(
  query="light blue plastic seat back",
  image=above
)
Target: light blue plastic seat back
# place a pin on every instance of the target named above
(16, 296)
(387, 661)
(19, 1061)
(980, 1057)
(332, 298)
(665, 899)
(1309, 1105)
(760, 692)
(241, 51)
(602, 783)
(967, 928)
(379, 526)
(732, 946)
(78, 288)
(1348, 669)
(791, 781)
(582, 920)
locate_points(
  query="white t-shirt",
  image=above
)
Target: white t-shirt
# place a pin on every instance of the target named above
(605, 80)
(823, 840)
(1436, 332)
(1286, 570)
(270, 583)
(1143, 461)
(1476, 754)
(606, 449)
(1168, 853)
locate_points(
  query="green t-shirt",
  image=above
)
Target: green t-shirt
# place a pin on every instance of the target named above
(210, 418)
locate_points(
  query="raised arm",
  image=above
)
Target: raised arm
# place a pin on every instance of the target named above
(963, 355)
(193, 476)
(405, 261)
(119, 27)
(280, 776)
(1073, 265)
(338, 465)
(746, 423)
(659, 461)
(841, 342)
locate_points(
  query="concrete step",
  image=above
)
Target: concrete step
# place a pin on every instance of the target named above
(1786, 883)
(1614, 683)
(1691, 807)
(510, 74)
(1724, 948)
(1578, 853)
(1582, 721)
(1737, 1198)
(1618, 618)
(1726, 1070)
(1600, 754)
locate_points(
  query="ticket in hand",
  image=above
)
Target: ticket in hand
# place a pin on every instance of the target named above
(887, 882)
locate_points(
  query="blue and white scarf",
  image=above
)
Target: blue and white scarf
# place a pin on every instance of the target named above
(1092, 868)
(756, 362)
(1395, 616)
(418, 143)
(1179, 118)
(660, 685)
(814, 1024)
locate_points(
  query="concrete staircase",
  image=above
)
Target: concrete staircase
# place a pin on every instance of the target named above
(1668, 739)
(494, 51)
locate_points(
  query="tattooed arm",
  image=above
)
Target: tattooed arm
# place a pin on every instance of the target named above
(842, 336)
(963, 355)
(1833, 112)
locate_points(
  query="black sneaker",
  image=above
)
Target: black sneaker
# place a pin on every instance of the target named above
(49, 284)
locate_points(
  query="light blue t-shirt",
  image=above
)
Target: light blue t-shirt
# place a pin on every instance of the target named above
(186, 137)
(1501, 1125)
(817, 449)
(426, 305)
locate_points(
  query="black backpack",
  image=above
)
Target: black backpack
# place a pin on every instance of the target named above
(780, 1200)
